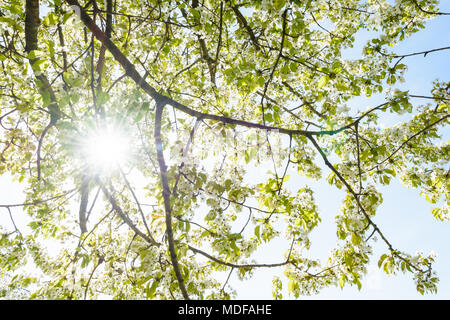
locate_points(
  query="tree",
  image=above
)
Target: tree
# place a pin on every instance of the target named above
(132, 124)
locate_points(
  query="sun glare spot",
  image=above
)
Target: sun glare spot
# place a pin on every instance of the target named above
(107, 148)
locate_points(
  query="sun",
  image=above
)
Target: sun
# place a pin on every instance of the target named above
(106, 148)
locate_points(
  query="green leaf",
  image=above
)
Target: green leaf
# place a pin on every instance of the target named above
(293, 66)
(279, 4)
(381, 260)
(257, 231)
(33, 54)
(236, 250)
(323, 81)
(356, 239)
(291, 286)
(102, 97)
(151, 290)
(8, 20)
(386, 266)
(37, 64)
(358, 283)
(268, 117)
(342, 281)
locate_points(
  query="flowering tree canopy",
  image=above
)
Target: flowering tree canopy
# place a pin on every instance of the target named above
(133, 126)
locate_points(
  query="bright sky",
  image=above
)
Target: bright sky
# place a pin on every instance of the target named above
(404, 216)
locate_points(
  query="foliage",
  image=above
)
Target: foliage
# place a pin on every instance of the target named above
(206, 90)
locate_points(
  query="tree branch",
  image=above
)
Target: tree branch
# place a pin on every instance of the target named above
(84, 191)
(123, 216)
(162, 100)
(233, 265)
(360, 206)
(31, 44)
(409, 139)
(166, 197)
(244, 24)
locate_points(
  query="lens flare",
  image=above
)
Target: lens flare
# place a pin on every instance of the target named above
(107, 148)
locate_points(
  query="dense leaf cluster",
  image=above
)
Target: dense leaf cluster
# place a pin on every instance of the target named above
(205, 91)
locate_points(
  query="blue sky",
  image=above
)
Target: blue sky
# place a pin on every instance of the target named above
(404, 217)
